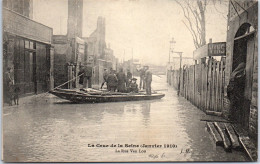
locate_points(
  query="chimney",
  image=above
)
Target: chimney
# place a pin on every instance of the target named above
(75, 14)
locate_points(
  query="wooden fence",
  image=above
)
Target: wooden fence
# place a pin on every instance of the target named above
(202, 85)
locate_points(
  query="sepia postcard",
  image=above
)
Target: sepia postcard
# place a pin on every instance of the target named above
(129, 80)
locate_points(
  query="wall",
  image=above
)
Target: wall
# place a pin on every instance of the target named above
(234, 23)
(62, 56)
(23, 7)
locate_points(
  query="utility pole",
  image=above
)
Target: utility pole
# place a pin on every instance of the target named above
(60, 26)
(172, 42)
(124, 57)
(133, 61)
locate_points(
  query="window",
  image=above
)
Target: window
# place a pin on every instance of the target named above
(30, 45)
(27, 44)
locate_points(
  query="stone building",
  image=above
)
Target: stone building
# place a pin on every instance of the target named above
(242, 46)
(110, 58)
(69, 50)
(23, 7)
(98, 53)
(26, 48)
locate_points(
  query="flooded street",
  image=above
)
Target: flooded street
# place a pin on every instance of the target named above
(53, 129)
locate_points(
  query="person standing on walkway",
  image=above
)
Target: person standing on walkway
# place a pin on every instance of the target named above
(9, 85)
(87, 76)
(112, 81)
(128, 77)
(148, 80)
(121, 80)
(105, 75)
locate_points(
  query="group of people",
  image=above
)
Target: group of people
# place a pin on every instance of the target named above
(121, 82)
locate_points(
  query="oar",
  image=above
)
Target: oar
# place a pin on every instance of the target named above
(67, 82)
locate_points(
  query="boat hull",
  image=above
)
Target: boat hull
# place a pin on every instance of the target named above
(85, 98)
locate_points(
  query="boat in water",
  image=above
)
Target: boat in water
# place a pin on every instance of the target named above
(100, 96)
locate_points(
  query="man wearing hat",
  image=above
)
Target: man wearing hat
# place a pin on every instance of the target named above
(87, 76)
(121, 80)
(133, 87)
(105, 75)
(148, 80)
(128, 77)
(112, 81)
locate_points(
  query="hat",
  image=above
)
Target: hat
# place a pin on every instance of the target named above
(134, 79)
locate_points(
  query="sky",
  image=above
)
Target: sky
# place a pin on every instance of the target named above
(141, 27)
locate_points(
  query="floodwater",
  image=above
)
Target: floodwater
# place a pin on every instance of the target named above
(54, 130)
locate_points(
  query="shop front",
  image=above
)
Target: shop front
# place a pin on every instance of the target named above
(27, 50)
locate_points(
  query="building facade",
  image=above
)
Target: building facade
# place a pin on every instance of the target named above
(69, 50)
(98, 54)
(23, 7)
(27, 49)
(242, 46)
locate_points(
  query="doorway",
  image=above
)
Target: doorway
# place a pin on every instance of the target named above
(25, 66)
(243, 52)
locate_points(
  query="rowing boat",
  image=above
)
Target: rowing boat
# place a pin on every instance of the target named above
(97, 96)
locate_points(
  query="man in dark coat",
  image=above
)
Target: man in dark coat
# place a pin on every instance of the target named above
(105, 75)
(148, 80)
(121, 80)
(112, 81)
(128, 77)
(142, 82)
(87, 76)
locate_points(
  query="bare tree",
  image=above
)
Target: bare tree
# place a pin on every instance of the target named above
(194, 13)
(195, 19)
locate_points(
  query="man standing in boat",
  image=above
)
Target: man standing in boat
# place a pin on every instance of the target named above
(142, 81)
(112, 81)
(105, 75)
(148, 80)
(87, 76)
(121, 80)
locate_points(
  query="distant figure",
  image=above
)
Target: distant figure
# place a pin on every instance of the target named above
(9, 85)
(142, 82)
(128, 77)
(121, 80)
(235, 90)
(148, 80)
(105, 75)
(112, 81)
(87, 76)
(133, 87)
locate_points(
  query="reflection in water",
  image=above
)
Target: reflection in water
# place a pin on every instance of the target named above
(51, 131)
(146, 113)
